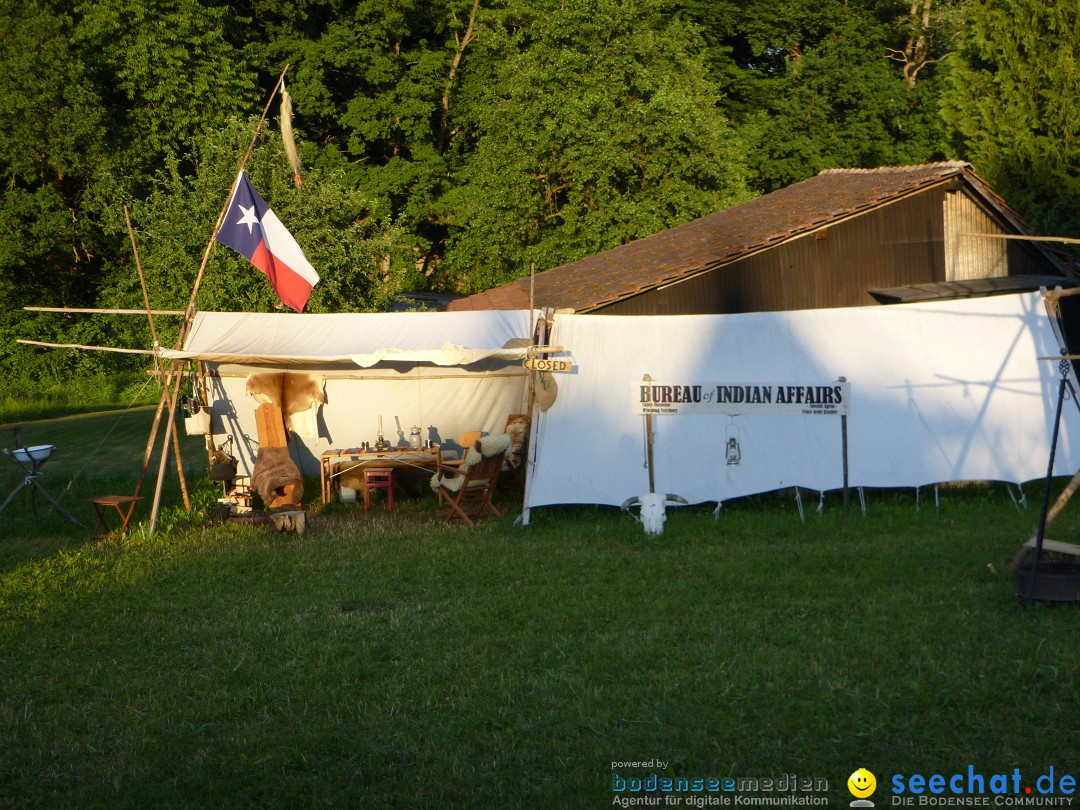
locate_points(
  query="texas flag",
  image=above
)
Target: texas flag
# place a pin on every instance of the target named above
(251, 228)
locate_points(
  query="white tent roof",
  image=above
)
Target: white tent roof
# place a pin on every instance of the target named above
(441, 338)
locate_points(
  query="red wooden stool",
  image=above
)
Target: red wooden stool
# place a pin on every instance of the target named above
(379, 479)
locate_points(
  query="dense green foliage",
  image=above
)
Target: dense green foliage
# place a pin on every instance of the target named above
(1013, 102)
(448, 145)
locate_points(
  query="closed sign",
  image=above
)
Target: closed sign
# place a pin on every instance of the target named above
(541, 364)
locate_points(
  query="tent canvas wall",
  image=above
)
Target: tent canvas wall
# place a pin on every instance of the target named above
(941, 391)
(445, 372)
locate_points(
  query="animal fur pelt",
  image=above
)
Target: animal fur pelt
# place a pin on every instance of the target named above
(517, 428)
(494, 445)
(275, 470)
(298, 395)
(287, 139)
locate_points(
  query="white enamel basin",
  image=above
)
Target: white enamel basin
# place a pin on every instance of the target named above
(26, 455)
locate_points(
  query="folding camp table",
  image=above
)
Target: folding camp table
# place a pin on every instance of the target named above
(124, 506)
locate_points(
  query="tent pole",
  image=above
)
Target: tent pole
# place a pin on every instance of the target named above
(538, 335)
(844, 451)
(99, 311)
(204, 401)
(26, 342)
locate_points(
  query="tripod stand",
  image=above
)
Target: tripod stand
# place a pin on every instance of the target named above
(30, 460)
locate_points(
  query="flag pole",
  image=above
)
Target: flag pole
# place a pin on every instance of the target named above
(189, 313)
(225, 210)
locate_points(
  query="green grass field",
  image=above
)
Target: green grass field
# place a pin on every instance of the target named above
(390, 661)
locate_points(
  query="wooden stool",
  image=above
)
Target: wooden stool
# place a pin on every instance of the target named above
(125, 507)
(379, 479)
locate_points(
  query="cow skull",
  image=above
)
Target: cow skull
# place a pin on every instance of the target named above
(653, 506)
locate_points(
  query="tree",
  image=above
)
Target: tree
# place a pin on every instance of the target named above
(51, 144)
(378, 83)
(1011, 103)
(929, 30)
(589, 123)
(165, 70)
(845, 107)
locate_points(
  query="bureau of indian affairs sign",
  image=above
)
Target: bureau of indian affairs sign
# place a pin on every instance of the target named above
(734, 398)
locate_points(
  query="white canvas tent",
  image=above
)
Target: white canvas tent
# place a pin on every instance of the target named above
(445, 372)
(942, 391)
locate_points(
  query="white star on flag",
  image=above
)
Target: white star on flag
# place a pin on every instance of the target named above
(249, 217)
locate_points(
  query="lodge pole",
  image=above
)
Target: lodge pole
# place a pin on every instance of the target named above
(117, 349)
(100, 311)
(158, 366)
(145, 294)
(166, 383)
(160, 370)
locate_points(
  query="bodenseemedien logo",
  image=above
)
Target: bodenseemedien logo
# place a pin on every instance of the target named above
(862, 784)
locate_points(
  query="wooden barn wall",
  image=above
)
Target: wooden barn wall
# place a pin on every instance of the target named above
(900, 244)
(968, 256)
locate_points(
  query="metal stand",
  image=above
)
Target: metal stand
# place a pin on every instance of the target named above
(1063, 367)
(30, 479)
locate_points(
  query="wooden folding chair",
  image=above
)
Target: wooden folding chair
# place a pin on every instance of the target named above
(469, 491)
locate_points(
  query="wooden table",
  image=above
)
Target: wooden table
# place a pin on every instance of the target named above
(124, 505)
(358, 457)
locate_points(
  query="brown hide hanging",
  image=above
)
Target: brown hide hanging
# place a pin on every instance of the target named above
(292, 393)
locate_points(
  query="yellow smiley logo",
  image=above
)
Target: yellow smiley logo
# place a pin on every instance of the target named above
(861, 783)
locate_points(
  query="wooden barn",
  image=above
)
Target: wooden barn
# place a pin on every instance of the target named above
(844, 238)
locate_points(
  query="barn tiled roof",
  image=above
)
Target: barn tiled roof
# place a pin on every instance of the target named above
(722, 237)
(508, 296)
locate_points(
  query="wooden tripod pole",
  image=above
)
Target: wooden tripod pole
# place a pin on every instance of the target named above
(189, 314)
(161, 374)
(145, 294)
